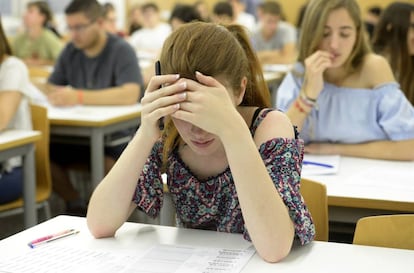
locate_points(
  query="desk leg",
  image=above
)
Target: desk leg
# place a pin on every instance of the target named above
(29, 188)
(97, 156)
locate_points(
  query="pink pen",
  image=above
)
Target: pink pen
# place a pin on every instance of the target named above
(33, 243)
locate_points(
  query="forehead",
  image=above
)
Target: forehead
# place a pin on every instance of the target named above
(33, 8)
(77, 18)
(339, 18)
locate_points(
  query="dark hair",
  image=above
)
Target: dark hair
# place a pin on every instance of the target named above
(45, 10)
(390, 40)
(223, 8)
(5, 48)
(106, 8)
(91, 8)
(192, 47)
(271, 7)
(375, 10)
(185, 13)
(301, 14)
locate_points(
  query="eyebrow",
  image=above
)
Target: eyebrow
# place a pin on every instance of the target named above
(341, 28)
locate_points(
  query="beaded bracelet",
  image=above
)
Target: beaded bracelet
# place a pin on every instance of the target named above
(300, 108)
(308, 101)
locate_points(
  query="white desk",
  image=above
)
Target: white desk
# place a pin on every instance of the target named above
(369, 185)
(316, 257)
(93, 122)
(21, 143)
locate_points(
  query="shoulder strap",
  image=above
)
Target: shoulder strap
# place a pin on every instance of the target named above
(256, 113)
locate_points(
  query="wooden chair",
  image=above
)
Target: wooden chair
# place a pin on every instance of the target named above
(316, 199)
(43, 177)
(395, 231)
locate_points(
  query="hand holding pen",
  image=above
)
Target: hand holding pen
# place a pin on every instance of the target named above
(162, 97)
(52, 237)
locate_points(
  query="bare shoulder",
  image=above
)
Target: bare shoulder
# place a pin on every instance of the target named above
(275, 125)
(376, 70)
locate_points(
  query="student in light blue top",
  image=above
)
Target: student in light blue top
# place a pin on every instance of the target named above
(343, 98)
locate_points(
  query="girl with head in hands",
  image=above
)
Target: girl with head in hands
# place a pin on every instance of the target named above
(232, 163)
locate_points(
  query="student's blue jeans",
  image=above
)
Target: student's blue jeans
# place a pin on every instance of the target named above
(11, 185)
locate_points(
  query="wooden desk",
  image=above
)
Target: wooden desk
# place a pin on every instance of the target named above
(93, 122)
(21, 143)
(315, 257)
(371, 184)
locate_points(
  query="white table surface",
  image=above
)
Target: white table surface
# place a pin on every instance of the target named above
(16, 135)
(94, 123)
(91, 113)
(315, 257)
(21, 143)
(371, 179)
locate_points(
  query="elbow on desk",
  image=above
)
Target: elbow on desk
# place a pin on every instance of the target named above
(100, 230)
(274, 256)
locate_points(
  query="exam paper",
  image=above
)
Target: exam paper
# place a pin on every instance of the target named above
(158, 259)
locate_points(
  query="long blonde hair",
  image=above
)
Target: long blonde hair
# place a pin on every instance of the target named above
(213, 50)
(316, 15)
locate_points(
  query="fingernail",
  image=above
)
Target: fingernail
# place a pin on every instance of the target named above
(177, 76)
(183, 85)
(183, 95)
(198, 73)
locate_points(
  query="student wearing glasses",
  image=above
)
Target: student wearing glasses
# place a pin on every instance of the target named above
(95, 68)
(344, 98)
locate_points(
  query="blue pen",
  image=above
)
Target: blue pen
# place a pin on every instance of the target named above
(305, 162)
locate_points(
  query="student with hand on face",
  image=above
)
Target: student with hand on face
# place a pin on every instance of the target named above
(394, 39)
(15, 93)
(343, 97)
(232, 163)
(95, 68)
(40, 44)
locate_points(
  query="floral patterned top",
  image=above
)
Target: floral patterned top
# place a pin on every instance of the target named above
(212, 203)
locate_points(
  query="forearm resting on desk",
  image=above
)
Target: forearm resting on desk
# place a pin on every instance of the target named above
(123, 95)
(286, 55)
(387, 150)
(111, 202)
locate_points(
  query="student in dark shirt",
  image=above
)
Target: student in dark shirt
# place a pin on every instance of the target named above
(95, 68)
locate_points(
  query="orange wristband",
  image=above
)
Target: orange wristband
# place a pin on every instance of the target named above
(80, 97)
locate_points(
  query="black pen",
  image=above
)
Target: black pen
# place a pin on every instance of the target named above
(158, 72)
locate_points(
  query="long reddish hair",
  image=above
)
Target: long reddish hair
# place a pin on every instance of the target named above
(214, 50)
